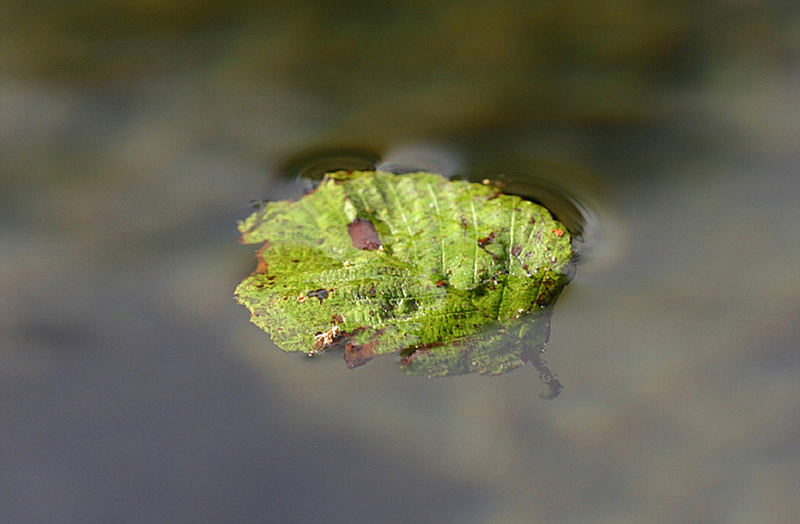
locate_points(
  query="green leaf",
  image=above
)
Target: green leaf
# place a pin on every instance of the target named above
(454, 275)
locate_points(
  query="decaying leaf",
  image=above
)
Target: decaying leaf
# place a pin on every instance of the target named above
(454, 275)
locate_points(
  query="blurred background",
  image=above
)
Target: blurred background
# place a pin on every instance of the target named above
(133, 135)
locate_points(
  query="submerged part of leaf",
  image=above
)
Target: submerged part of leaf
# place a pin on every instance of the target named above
(454, 275)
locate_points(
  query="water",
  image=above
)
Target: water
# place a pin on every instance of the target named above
(133, 389)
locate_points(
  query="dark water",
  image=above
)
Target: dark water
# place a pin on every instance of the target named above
(133, 389)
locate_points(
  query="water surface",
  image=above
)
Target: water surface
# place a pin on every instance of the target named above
(133, 388)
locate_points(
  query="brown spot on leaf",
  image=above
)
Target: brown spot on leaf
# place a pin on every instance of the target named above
(262, 265)
(336, 319)
(542, 300)
(363, 234)
(485, 241)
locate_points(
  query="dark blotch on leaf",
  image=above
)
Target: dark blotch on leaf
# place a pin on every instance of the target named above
(363, 234)
(321, 294)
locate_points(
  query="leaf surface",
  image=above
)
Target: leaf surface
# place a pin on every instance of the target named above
(439, 270)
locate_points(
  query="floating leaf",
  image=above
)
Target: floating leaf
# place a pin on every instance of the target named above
(454, 275)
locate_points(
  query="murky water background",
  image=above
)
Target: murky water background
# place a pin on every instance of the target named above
(133, 389)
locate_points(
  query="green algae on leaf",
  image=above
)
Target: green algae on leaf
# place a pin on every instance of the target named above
(454, 275)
